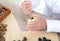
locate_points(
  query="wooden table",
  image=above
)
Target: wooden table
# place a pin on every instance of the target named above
(15, 33)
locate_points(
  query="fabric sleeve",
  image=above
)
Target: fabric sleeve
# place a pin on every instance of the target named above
(53, 26)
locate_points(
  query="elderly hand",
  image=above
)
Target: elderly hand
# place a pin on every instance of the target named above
(36, 24)
(26, 7)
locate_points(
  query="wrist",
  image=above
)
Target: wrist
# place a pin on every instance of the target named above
(44, 25)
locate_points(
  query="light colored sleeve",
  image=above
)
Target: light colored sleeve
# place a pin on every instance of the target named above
(38, 6)
(53, 26)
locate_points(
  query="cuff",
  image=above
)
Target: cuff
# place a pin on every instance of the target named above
(53, 25)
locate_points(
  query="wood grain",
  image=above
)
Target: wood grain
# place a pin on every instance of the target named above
(8, 11)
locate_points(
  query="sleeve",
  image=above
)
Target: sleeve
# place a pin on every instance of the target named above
(39, 6)
(53, 26)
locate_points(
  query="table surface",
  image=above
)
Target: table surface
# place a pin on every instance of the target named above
(14, 31)
(17, 12)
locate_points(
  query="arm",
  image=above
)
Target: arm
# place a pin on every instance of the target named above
(41, 22)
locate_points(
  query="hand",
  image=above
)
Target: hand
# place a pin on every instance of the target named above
(36, 24)
(26, 7)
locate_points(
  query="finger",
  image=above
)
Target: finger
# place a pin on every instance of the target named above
(35, 15)
(30, 26)
(29, 9)
(26, 4)
(35, 28)
(32, 23)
